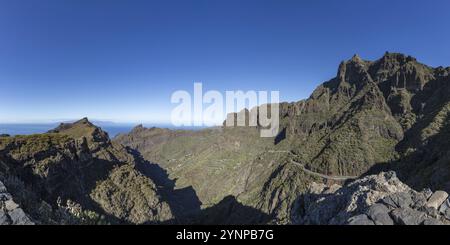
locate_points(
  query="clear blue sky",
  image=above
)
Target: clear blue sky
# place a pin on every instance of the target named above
(121, 60)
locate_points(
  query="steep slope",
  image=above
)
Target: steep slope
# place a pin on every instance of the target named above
(368, 114)
(77, 164)
(425, 149)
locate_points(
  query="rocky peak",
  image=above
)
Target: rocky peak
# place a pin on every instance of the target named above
(84, 120)
(82, 128)
(138, 128)
(397, 57)
(394, 61)
(356, 58)
(395, 70)
(354, 72)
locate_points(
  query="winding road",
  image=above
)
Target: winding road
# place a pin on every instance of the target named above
(302, 166)
(338, 178)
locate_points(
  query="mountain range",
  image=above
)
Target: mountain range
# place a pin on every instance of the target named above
(377, 117)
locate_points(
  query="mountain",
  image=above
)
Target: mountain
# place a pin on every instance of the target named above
(333, 161)
(76, 168)
(391, 113)
(387, 114)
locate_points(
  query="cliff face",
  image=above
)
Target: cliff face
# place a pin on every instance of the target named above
(78, 164)
(392, 110)
(355, 120)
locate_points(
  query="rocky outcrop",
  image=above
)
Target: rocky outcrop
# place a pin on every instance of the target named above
(10, 212)
(77, 163)
(373, 200)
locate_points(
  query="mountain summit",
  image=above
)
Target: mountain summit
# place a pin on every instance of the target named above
(82, 128)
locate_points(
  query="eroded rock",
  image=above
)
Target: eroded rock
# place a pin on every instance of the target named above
(445, 206)
(437, 199)
(431, 221)
(374, 200)
(408, 216)
(361, 219)
(398, 200)
(379, 214)
(10, 212)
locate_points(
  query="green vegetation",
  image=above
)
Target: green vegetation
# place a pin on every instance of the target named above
(131, 197)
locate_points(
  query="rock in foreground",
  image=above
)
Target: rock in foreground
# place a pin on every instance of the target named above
(373, 200)
(10, 212)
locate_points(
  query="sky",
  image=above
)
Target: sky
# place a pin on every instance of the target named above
(121, 60)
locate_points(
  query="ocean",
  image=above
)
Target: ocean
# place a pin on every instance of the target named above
(111, 128)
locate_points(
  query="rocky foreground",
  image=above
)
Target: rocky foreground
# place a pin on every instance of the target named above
(10, 212)
(373, 200)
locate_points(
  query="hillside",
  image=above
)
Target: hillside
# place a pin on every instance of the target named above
(75, 174)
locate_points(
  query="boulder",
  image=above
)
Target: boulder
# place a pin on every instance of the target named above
(408, 216)
(398, 200)
(10, 205)
(4, 220)
(447, 214)
(380, 214)
(351, 204)
(437, 199)
(445, 206)
(10, 212)
(18, 217)
(419, 199)
(361, 219)
(375, 200)
(432, 212)
(431, 221)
